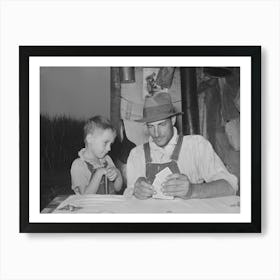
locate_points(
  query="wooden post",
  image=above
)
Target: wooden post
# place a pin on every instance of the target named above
(190, 118)
(115, 108)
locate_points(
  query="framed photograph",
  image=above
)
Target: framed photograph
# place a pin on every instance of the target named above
(139, 139)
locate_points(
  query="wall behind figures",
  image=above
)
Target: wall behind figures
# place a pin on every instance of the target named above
(77, 92)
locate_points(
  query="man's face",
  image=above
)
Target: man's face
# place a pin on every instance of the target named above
(161, 131)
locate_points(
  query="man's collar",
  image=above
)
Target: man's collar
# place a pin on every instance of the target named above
(174, 139)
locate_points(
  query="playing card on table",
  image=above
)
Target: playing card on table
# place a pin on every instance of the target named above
(161, 178)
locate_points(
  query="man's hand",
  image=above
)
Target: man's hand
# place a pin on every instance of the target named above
(177, 185)
(143, 189)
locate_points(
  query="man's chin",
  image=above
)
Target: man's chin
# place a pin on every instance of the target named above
(160, 143)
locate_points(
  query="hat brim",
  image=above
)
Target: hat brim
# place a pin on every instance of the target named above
(158, 117)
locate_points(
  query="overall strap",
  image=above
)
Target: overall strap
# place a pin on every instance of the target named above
(101, 188)
(147, 152)
(176, 152)
(89, 166)
(91, 169)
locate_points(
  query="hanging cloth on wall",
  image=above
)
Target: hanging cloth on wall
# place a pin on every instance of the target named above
(209, 108)
(131, 110)
(136, 132)
(165, 77)
(232, 129)
(230, 113)
(202, 114)
(229, 110)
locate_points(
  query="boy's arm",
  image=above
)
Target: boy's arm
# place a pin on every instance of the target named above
(114, 174)
(118, 183)
(94, 183)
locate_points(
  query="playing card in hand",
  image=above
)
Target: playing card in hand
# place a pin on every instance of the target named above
(159, 179)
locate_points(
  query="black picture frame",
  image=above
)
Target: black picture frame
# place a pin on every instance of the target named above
(254, 52)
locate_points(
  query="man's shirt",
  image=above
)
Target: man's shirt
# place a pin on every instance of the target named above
(197, 160)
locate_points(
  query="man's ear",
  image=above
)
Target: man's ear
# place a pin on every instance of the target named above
(173, 119)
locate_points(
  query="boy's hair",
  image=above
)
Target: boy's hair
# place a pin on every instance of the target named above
(97, 122)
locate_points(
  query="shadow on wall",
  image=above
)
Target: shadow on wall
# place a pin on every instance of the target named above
(60, 140)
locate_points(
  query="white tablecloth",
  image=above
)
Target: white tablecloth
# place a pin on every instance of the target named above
(121, 204)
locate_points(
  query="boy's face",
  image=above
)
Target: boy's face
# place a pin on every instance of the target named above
(100, 142)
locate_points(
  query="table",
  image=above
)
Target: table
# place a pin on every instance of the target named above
(120, 204)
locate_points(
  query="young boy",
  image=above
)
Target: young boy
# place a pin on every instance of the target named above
(94, 166)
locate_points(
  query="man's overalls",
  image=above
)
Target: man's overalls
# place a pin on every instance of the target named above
(153, 168)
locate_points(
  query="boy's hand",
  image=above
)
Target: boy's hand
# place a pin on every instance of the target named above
(112, 173)
(101, 171)
(177, 185)
(143, 189)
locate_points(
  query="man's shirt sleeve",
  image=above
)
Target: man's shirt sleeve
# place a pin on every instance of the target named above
(135, 166)
(211, 166)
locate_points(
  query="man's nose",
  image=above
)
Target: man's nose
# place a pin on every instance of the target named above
(156, 131)
(108, 148)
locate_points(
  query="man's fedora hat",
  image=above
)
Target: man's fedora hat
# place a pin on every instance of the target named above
(158, 107)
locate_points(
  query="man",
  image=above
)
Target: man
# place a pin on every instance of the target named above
(197, 170)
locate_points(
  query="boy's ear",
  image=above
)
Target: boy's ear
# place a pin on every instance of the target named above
(173, 119)
(88, 138)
